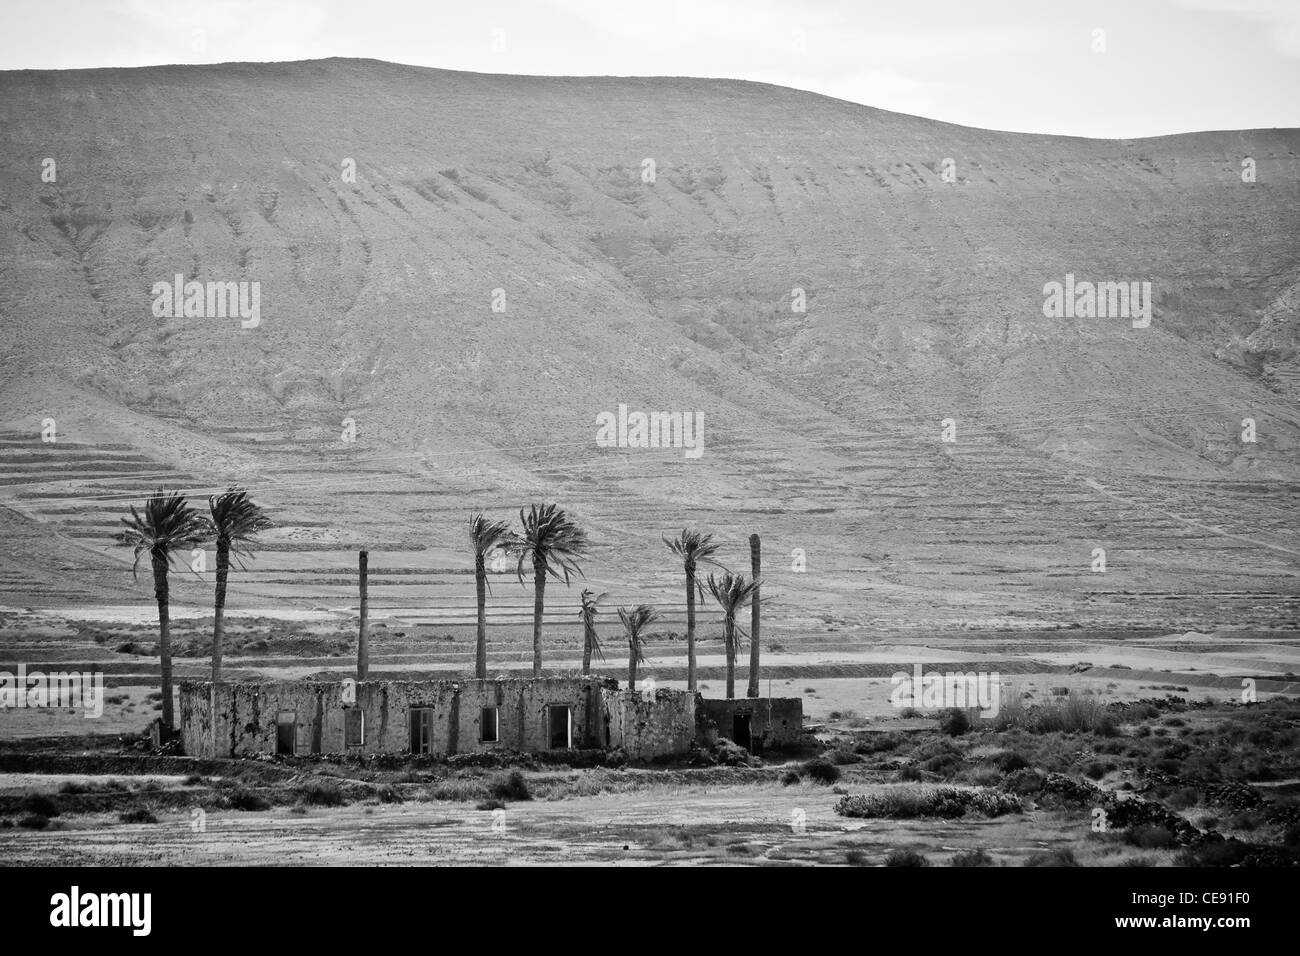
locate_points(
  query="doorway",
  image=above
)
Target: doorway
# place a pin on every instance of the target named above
(286, 732)
(740, 733)
(560, 726)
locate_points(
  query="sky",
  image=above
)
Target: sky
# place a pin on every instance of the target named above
(1103, 68)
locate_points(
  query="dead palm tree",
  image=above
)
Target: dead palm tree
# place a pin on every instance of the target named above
(587, 614)
(236, 521)
(634, 623)
(485, 537)
(553, 543)
(167, 525)
(692, 547)
(732, 592)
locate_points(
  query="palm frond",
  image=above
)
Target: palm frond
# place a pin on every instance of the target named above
(487, 536)
(587, 614)
(550, 540)
(732, 591)
(693, 547)
(237, 520)
(634, 623)
(165, 526)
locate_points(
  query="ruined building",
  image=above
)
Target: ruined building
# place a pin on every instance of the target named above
(466, 716)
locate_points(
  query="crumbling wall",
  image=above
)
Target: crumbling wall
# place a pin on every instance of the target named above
(651, 723)
(236, 719)
(773, 721)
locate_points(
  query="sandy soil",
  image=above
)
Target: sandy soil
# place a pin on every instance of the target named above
(677, 826)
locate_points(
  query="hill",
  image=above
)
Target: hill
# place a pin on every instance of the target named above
(923, 285)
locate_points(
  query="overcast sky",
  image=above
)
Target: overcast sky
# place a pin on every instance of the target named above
(1116, 68)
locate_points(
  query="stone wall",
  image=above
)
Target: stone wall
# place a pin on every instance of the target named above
(651, 724)
(773, 721)
(249, 717)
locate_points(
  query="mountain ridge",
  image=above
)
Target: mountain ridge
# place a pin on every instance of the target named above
(924, 303)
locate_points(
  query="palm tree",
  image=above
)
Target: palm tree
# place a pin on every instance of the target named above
(587, 614)
(168, 525)
(236, 522)
(553, 543)
(732, 592)
(641, 617)
(692, 547)
(485, 536)
(755, 567)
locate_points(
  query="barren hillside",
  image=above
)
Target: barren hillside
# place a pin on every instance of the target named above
(924, 302)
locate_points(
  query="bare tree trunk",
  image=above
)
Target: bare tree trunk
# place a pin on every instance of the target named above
(160, 592)
(631, 665)
(539, 605)
(363, 636)
(480, 645)
(729, 632)
(586, 648)
(755, 549)
(690, 626)
(219, 607)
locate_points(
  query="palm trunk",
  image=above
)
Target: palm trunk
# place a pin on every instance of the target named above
(690, 626)
(631, 665)
(363, 635)
(219, 607)
(586, 648)
(480, 646)
(164, 640)
(539, 604)
(729, 633)
(755, 549)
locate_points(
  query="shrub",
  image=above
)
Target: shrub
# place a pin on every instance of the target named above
(491, 803)
(972, 858)
(511, 787)
(790, 777)
(1010, 762)
(1151, 837)
(942, 764)
(856, 857)
(982, 777)
(903, 803)
(320, 793)
(40, 804)
(820, 771)
(878, 743)
(1060, 857)
(954, 722)
(909, 773)
(1228, 852)
(841, 757)
(459, 790)
(137, 815)
(240, 799)
(33, 821)
(905, 858)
